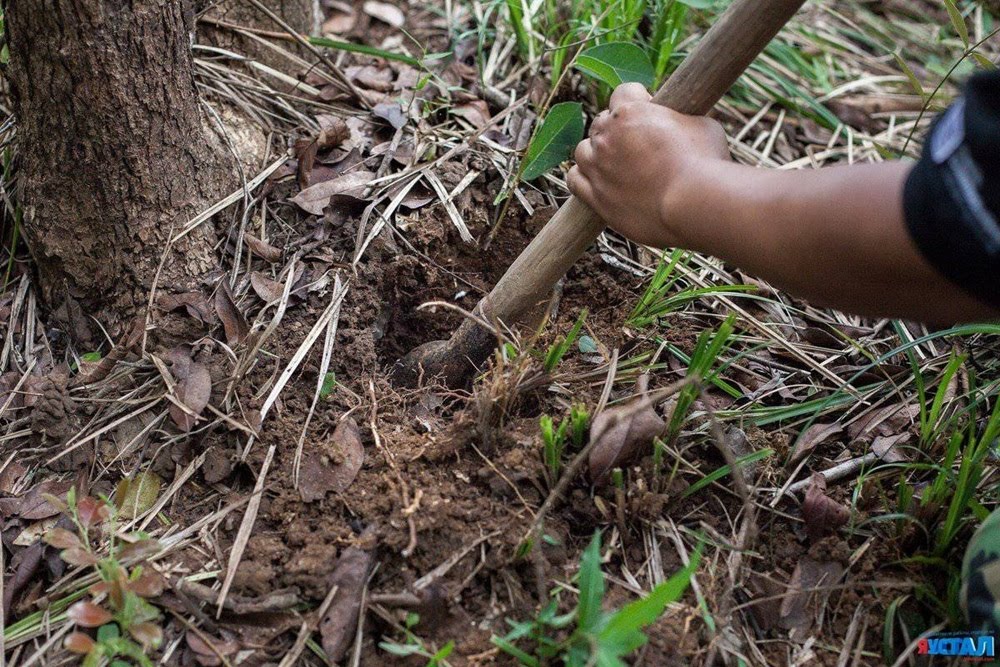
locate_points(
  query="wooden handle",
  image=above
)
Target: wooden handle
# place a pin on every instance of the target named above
(732, 43)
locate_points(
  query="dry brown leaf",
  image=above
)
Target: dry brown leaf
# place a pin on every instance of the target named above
(315, 198)
(334, 469)
(194, 388)
(807, 591)
(265, 251)
(194, 303)
(888, 448)
(341, 619)
(385, 12)
(890, 420)
(821, 513)
(371, 77)
(13, 473)
(34, 506)
(207, 650)
(233, 321)
(390, 112)
(811, 438)
(268, 290)
(25, 564)
(621, 433)
(476, 112)
(337, 24)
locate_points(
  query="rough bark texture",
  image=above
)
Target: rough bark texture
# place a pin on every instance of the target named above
(115, 151)
(301, 15)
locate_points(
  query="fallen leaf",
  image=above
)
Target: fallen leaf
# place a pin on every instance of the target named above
(807, 591)
(385, 12)
(476, 112)
(11, 476)
(821, 513)
(888, 447)
(88, 615)
(208, 650)
(34, 531)
(265, 251)
(25, 564)
(341, 619)
(337, 24)
(268, 290)
(194, 389)
(135, 495)
(34, 504)
(194, 303)
(890, 420)
(60, 538)
(765, 603)
(811, 438)
(390, 112)
(334, 469)
(233, 321)
(332, 133)
(371, 77)
(78, 556)
(315, 198)
(622, 432)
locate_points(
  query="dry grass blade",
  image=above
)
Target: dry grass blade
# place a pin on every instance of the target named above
(246, 527)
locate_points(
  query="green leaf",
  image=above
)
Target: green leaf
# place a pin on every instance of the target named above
(507, 647)
(338, 45)
(698, 4)
(402, 650)
(622, 634)
(329, 382)
(957, 21)
(439, 657)
(108, 632)
(91, 357)
(555, 140)
(983, 61)
(914, 81)
(616, 63)
(722, 471)
(136, 495)
(591, 583)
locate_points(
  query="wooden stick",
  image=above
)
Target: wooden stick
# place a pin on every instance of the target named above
(728, 48)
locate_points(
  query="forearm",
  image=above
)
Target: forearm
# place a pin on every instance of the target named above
(835, 236)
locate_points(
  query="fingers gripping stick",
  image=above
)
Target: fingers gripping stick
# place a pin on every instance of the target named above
(732, 43)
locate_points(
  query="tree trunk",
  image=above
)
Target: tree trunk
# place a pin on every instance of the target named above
(300, 15)
(115, 152)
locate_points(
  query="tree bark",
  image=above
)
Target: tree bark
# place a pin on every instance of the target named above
(115, 153)
(303, 16)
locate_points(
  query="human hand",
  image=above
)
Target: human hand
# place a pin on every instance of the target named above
(642, 168)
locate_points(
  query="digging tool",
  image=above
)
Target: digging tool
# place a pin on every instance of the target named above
(728, 48)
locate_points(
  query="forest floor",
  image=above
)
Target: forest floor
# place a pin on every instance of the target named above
(308, 511)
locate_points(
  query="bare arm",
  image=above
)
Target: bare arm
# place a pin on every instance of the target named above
(835, 235)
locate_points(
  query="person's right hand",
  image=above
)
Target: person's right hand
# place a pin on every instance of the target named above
(642, 165)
